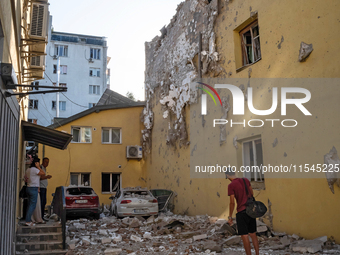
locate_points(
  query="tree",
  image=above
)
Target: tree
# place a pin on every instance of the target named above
(130, 96)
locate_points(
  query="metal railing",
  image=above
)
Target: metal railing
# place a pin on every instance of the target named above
(59, 208)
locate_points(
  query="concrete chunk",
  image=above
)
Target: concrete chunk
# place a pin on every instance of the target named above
(261, 229)
(311, 246)
(105, 240)
(200, 237)
(136, 238)
(103, 232)
(323, 239)
(233, 240)
(285, 241)
(112, 251)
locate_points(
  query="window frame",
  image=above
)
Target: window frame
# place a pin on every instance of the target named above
(61, 68)
(110, 135)
(95, 53)
(34, 105)
(111, 173)
(55, 102)
(244, 55)
(97, 89)
(80, 133)
(253, 139)
(94, 70)
(80, 177)
(57, 48)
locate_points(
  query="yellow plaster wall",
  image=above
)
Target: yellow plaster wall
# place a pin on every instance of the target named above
(302, 206)
(96, 157)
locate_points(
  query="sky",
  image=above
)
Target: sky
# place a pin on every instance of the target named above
(127, 25)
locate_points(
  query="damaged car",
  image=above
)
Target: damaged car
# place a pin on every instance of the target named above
(165, 199)
(133, 202)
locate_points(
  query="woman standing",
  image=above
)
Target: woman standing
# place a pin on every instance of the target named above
(33, 174)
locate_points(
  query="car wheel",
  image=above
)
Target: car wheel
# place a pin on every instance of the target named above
(97, 216)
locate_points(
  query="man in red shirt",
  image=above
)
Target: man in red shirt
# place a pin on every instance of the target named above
(246, 225)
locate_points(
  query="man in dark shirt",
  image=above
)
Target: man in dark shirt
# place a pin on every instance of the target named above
(246, 225)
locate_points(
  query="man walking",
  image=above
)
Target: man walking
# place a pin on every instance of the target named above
(246, 225)
(43, 187)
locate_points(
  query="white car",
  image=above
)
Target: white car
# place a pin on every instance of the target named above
(133, 202)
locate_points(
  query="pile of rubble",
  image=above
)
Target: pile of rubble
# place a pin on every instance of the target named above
(179, 235)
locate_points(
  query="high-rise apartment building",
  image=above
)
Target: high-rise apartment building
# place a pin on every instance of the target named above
(83, 70)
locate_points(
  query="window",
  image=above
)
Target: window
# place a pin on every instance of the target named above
(60, 84)
(35, 84)
(63, 69)
(94, 72)
(92, 105)
(34, 121)
(62, 105)
(95, 53)
(33, 104)
(81, 135)
(61, 50)
(252, 156)
(80, 179)
(111, 135)
(250, 44)
(110, 182)
(94, 89)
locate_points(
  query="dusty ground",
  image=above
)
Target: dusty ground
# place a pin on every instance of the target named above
(179, 235)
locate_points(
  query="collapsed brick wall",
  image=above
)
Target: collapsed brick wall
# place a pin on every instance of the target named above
(172, 65)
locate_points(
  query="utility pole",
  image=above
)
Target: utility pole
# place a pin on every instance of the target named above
(58, 76)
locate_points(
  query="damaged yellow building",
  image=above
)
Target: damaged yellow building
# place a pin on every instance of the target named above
(258, 45)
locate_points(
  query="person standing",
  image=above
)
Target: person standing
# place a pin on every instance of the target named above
(33, 182)
(43, 186)
(246, 225)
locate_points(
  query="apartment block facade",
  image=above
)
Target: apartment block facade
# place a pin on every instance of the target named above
(83, 70)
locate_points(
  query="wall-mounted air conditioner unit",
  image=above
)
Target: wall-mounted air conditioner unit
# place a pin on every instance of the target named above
(37, 62)
(39, 21)
(134, 152)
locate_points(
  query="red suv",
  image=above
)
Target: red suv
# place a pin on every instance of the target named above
(81, 201)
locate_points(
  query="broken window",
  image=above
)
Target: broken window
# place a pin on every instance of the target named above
(253, 158)
(250, 43)
(80, 179)
(95, 53)
(111, 135)
(81, 134)
(33, 104)
(110, 182)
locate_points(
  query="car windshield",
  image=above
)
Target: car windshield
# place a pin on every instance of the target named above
(133, 193)
(79, 191)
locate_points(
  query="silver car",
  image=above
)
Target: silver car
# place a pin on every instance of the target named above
(133, 202)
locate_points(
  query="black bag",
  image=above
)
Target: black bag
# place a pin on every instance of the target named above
(255, 209)
(22, 193)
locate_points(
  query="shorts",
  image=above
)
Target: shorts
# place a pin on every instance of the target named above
(245, 223)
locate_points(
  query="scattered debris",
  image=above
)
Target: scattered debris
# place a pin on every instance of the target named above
(305, 51)
(178, 234)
